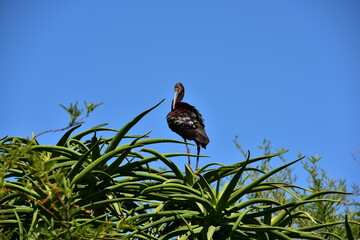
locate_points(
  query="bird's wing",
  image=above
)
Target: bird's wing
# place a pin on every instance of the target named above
(187, 116)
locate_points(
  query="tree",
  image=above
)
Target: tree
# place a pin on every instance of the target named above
(88, 187)
(318, 181)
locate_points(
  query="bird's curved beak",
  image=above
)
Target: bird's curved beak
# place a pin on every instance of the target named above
(176, 94)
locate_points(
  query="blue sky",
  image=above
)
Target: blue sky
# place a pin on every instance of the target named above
(287, 71)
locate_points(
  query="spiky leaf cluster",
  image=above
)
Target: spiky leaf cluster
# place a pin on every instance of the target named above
(88, 187)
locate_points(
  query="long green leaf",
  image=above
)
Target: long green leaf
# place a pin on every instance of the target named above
(323, 225)
(68, 164)
(247, 203)
(189, 230)
(21, 227)
(150, 176)
(107, 202)
(59, 150)
(121, 133)
(237, 223)
(190, 176)
(81, 161)
(165, 160)
(214, 174)
(122, 187)
(145, 160)
(281, 215)
(285, 233)
(210, 231)
(189, 197)
(34, 220)
(66, 136)
(97, 128)
(18, 209)
(63, 140)
(21, 189)
(286, 207)
(176, 217)
(107, 156)
(172, 187)
(242, 191)
(81, 175)
(349, 234)
(206, 187)
(114, 165)
(226, 193)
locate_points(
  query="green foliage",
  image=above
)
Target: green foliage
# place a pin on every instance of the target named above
(88, 187)
(340, 206)
(74, 113)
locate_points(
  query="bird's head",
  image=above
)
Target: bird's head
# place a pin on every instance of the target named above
(179, 94)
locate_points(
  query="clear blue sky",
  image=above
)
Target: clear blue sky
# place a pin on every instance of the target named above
(288, 71)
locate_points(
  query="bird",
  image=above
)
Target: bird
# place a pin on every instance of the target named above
(185, 120)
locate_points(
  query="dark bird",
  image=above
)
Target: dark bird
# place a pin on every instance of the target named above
(186, 121)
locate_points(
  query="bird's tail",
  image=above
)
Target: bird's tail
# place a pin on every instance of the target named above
(201, 137)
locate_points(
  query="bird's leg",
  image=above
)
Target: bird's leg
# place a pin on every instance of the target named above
(197, 158)
(188, 151)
